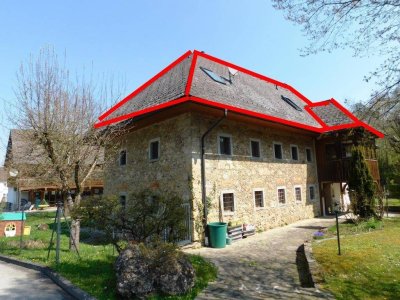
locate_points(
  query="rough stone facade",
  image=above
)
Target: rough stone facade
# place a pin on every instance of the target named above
(178, 170)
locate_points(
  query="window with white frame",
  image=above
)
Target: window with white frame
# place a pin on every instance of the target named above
(294, 150)
(297, 193)
(225, 144)
(255, 148)
(122, 158)
(281, 191)
(308, 155)
(228, 202)
(154, 149)
(311, 192)
(259, 198)
(278, 153)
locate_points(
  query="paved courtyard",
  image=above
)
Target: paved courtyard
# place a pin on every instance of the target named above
(264, 266)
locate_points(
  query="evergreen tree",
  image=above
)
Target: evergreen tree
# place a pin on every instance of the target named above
(361, 185)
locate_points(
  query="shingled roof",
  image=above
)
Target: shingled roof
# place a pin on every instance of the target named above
(199, 77)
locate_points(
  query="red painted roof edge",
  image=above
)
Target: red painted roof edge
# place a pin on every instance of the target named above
(143, 86)
(315, 116)
(191, 72)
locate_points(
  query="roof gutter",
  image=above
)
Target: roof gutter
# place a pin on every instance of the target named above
(203, 170)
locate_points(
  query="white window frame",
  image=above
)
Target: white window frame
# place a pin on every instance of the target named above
(231, 143)
(277, 195)
(291, 154)
(301, 194)
(119, 157)
(227, 213)
(273, 149)
(312, 155)
(315, 192)
(149, 149)
(259, 145)
(254, 198)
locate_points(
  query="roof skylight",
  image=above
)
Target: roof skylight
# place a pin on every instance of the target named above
(291, 103)
(213, 76)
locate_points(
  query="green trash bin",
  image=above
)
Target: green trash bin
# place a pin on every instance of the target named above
(217, 231)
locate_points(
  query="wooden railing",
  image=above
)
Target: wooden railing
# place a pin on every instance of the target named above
(338, 170)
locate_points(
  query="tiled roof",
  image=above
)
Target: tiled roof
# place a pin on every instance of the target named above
(331, 115)
(246, 92)
(168, 87)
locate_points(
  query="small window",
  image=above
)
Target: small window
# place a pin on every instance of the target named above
(308, 155)
(346, 150)
(213, 76)
(295, 152)
(122, 158)
(311, 190)
(228, 202)
(122, 200)
(154, 151)
(255, 149)
(297, 193)
(259, 198)
(225, 145)
(278, 151)
(291, 103)
(281, 196)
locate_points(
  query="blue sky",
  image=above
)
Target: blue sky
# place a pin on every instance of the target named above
(136, 39)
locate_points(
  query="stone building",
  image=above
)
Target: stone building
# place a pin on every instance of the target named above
(234, 144)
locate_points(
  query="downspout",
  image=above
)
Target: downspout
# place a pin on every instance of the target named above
(203, 169)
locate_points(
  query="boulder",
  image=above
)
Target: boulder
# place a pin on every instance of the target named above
(177, 278)
(142, 271)
(43, 226)
(133, 273)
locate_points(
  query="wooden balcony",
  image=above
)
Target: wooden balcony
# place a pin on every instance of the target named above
(338, 170)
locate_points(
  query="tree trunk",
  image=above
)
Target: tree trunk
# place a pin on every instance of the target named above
(75, 227)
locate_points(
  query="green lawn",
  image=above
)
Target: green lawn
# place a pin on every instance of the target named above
(94, 272)
(393, 202)
(369, 267)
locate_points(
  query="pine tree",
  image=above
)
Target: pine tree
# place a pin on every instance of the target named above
(361, 185)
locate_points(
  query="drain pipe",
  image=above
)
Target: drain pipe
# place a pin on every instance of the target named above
(203, 169)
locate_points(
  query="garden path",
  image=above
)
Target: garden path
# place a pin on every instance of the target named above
(267, 265)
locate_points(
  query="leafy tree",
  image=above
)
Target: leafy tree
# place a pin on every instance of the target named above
(147, 217)
(361, 185)
(367, 27)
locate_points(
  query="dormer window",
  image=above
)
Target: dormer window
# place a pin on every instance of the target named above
(291, 103)
(213, 76)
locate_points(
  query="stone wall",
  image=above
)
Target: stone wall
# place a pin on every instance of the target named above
(178, 170)
(171, 172)
(241, 174)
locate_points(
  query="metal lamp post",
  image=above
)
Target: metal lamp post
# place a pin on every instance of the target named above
(337, 210)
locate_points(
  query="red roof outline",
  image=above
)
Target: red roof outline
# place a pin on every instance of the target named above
(144, 85)
(188, 97)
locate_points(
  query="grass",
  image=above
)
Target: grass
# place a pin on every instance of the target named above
(94, 272)
(393, 202)
(369, 267)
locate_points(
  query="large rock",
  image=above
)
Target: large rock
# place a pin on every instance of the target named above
(177, 278)
(133, 273)
(141, 271)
